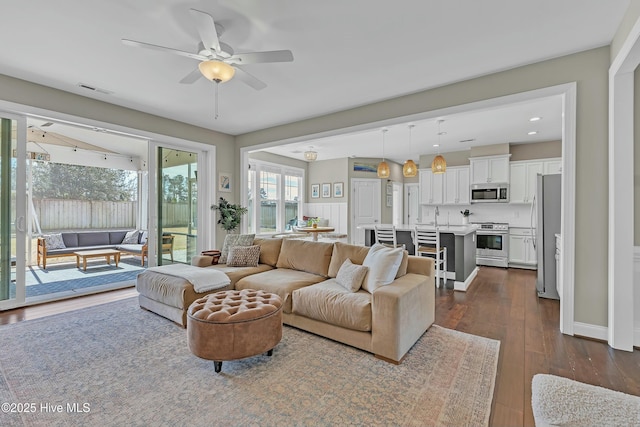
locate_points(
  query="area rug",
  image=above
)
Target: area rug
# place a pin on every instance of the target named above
(116, 364)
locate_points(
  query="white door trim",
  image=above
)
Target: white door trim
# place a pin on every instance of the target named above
(621, 204)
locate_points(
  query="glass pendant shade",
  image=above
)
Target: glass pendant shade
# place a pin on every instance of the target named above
(383, 170)
(409, 169)
(310, 155)
(217, 71)
(439, 164)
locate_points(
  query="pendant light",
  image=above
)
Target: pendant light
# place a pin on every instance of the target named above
(439, 164)
(409, 170)
(383, 167)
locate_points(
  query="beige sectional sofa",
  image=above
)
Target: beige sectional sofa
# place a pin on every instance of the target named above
(386, 322)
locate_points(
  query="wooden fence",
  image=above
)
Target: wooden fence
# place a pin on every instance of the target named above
(60, 214)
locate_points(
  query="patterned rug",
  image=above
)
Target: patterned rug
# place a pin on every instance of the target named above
(116, 364)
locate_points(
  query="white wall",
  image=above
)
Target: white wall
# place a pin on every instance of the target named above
(336, 213)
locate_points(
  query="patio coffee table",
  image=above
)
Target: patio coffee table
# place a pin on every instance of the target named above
(98, 253)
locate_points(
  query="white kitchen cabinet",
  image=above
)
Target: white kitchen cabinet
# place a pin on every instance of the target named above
(552, 166)
(456, 186)
(431, 188)
(489, 169)
(521, 250)
(523, 180)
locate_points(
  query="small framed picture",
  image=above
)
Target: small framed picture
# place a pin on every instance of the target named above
(389, 188)
(338, 189)
(224, 182)
(326, 190)
(315, 191)
(389, 201)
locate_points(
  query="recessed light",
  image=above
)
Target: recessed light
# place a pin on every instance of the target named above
(442, 133)
(534, 119)
(533, 132)
(436, 145)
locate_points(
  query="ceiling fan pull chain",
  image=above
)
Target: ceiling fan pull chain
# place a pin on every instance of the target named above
(216, 106)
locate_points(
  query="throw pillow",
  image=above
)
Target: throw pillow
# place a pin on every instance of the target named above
(351, 275)
(54, 241)
(383, 263)
(131, 238)
(144, 236)
(243, 256)
(234, 240)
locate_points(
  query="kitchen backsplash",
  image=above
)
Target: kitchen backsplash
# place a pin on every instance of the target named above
(516, 215)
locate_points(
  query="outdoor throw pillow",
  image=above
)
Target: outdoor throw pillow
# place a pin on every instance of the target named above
(144, 236)
(54, 241)
(131, 238)
(234, 240)
(383, 263)
(351, 275)
(243, 256)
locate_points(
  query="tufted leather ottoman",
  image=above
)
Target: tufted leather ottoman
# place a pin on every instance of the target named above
(232, 325)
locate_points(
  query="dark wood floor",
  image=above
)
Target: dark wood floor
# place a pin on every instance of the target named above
(501, 304)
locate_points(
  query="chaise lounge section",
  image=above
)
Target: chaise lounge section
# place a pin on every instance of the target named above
(385, 321)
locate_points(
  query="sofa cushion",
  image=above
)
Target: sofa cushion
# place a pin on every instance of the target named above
(54, 241)
(312, 257)
(70, 240)
(130, 238)
(269, 250)
(237, 273)
(234, 240)
(94, 238)
(357, 254)
(132, 249)
(243, 256)
(350, 275)
(330, 302)
(383, 263)
(281, 281)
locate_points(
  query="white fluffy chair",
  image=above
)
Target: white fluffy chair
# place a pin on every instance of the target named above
(558, 401)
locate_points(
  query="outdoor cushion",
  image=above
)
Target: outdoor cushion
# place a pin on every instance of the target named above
(330, 302)
(136, 249)
(117, 237)
(54, 241)
(70, 239)
(67, 251)
(93, 238)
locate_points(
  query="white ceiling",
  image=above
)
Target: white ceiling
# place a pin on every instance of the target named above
(347, 53)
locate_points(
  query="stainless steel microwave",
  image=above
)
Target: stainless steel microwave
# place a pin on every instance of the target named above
(490, 193)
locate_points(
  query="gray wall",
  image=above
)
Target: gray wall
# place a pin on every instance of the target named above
(279, 160)
(590, 70)
(38, 96)
(628, 21)
(328, 171)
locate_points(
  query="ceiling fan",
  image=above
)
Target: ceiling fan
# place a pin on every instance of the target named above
(218, 61)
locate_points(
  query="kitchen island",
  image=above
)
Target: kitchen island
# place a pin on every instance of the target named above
(460, 241)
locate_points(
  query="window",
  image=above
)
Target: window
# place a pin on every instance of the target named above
(279, 190)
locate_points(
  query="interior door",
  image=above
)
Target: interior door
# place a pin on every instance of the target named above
(366, 208)
(177, 205)
(411, 203)
(12, 210)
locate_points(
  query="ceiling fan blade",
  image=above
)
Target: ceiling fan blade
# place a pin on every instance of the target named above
(206, 27)
(260, 57)
(249, 79)
(164, 49)
(192, 77)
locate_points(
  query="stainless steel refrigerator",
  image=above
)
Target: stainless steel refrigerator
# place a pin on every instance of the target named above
(546, 208)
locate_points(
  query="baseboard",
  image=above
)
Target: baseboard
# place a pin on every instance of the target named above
(636, 337)
(591, 331)
(463, 286)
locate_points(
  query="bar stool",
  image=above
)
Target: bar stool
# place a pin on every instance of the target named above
(427, 242)
(387, 236)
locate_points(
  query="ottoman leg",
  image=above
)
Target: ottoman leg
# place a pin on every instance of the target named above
(217, 366)
(270, 352)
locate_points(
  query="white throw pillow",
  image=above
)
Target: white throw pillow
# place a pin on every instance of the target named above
(234, 240)
(351, 275)
(383, 263)
(54, 241)
(131, 238)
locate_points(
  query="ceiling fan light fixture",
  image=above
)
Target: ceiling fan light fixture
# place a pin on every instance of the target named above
(310, 155)
(216, 71)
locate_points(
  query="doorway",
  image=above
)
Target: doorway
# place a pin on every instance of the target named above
(411, 203)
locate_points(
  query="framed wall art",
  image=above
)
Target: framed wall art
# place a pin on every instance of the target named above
(326, 190)
(338, 189)
(315, 191)
(224, 182)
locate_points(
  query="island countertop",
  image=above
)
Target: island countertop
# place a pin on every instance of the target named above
(456, 229)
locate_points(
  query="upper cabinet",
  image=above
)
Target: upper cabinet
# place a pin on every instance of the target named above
(523, 177)
(431, 188)
(456, 185)
(489, 169)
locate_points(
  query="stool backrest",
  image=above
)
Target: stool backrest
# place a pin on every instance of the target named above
(423, 237)
(386, 235)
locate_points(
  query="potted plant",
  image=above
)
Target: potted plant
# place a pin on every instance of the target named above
(465, 216)
(230, 215)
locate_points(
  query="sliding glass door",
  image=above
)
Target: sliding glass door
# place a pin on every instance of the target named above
(12, 210)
